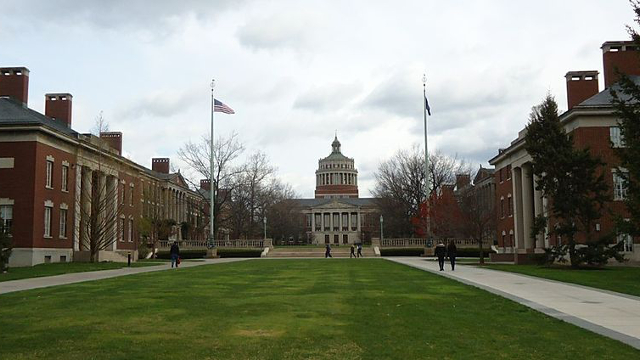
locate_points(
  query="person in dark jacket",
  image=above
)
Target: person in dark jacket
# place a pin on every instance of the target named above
(175, 254)
(441, 252)
(353, 251)
(360, 250)
(451, 253)
(327, 253)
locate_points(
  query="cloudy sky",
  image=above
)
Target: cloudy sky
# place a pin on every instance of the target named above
(296, 71)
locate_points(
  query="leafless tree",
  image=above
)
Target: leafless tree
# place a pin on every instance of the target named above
(477, 215)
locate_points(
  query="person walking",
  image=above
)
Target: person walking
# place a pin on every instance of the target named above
(360, 250)
(452, 253)
(175, 254)
(353, 251)
(327, 253)
(441, 252)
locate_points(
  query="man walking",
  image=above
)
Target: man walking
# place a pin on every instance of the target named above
(441, 252)
(452, 253)
(327, 253)
(360, 250)
(353, 252)
(175, 254)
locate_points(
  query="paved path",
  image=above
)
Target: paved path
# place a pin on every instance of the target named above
(604, 312)
(41, 282)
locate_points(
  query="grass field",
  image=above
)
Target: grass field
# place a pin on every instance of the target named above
(621, 279)
(286, 309)
(65, 268)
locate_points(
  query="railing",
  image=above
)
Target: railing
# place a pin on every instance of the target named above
(418, 242)
(203, 244)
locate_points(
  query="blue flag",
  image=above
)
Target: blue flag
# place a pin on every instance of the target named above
(426, 105)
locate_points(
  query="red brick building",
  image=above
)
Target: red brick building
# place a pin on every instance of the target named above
(53, 178)
(591, 120)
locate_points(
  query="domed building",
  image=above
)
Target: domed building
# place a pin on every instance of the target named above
(337, 215)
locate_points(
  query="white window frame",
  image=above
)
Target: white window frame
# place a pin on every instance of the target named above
(65, 178)
(619, 188)
(122, 228)
(130, 231)
(49, 176)
(48, 210)
(63, 223)
(4, 219)
(616, 138)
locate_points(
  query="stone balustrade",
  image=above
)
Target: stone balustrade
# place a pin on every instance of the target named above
(423, 242)
(203, 244)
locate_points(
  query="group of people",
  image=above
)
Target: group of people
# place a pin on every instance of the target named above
(327, 252)
(450, 251)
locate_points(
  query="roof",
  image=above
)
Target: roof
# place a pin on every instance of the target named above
(604, 98)
(13, 112)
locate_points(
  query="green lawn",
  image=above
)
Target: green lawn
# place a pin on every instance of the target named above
(17, 273)
(286, 309)
(621, 279)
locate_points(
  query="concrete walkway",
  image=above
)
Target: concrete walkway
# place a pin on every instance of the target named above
(72, 278)
(604, 312)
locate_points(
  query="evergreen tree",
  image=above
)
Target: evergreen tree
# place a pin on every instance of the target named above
(5, 250)
(574, 182)
(626, 100)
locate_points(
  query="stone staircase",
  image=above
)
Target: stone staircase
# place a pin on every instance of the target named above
(316, 252)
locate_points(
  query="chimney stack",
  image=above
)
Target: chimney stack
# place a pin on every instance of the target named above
(160, 165)
(205, 184)
(114, 139)
(581, 85)
(14, 82)
(621, 56)
(462, 180)
(58, 106)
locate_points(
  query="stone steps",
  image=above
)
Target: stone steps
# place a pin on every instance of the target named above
(315, 252)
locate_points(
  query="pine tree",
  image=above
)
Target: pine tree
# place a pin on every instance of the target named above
(626, 100)
(571, 178)
(5, 250)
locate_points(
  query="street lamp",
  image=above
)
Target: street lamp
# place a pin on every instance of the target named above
(381, 228)
(264, 220)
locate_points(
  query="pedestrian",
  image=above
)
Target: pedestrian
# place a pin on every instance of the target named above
(353, 251)
(175, 254)
(327, 253)
(360, 250)
(441, 252)
(452, 253)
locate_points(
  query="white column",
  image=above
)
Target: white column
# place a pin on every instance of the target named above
(358, 214)
(112, 191)
(313, 222)
(527, 205)
(77, 211)
(517, 207)
(86, 200)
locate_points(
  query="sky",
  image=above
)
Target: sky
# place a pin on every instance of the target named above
(296, 72)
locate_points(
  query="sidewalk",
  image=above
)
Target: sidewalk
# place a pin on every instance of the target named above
(603, 312)
(72, 278)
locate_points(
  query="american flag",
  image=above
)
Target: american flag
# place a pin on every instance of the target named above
(218, 106)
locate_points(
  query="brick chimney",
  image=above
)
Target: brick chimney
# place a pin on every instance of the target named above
(620, 55)
(160, 165)
(114, 139)
(462, 180)
(58, 106)
(205, 184)
(14, 82)
(581, 85)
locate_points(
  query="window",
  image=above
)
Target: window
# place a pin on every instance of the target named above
(345, 239)
(47, 221)
(501, 207)
(508, 172)
(345, 222)
(510, 205)
(318, 222)
(122, 188)
(49, 181)
(130, 232)
(122, 229)
(619, 187)
(616, 137)
(131, 195)
(500, 174)
(6, 218)
(63, 223)
(627, 240)
(65, 178)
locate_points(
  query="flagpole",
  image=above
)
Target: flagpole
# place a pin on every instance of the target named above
(212, 196)
(426, 151)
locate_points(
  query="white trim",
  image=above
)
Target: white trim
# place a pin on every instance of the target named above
(48, 203)
(64, 206)
(65, 163)
(7, 201)
(7, 162)
(50, 158)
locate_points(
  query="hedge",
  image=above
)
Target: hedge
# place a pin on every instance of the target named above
(184, 254)
(401, 251)
(239, 253)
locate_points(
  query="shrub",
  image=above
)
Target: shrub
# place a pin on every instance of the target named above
(143, 251)
(184, 254)
(239, 253)
(401, 251)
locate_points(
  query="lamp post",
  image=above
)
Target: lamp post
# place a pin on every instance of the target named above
(264, 220)
(381, 229)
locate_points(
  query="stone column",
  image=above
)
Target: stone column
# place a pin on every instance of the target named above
(86, 200)
(77, 210)
(359, 215)
(527, 205)
(313, 222)
(517, 207)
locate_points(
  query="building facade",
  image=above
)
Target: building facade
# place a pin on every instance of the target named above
(337, 215)
(59, 188)
(592, 122)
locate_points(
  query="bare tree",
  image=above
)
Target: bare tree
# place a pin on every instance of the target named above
(400, 186)
(477, 215)
(99, 209)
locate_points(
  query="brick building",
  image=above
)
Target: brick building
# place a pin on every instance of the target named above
(53, 178)
(591, 120)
